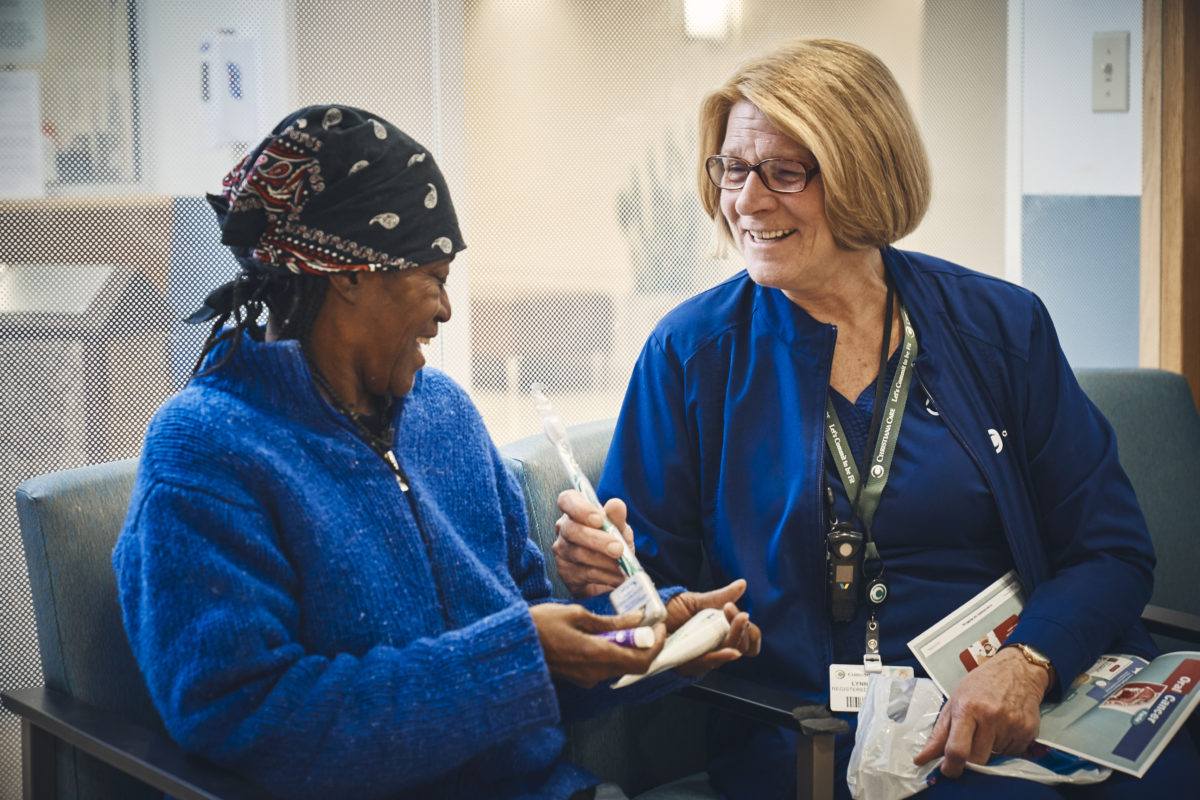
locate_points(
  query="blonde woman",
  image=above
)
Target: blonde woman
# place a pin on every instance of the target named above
(868, 436)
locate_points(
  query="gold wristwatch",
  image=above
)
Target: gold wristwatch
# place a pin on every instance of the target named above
(1035, 657)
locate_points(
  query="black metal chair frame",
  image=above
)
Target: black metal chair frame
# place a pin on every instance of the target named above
(48, 715)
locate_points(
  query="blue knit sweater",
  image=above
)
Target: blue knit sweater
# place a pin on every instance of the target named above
(301, 620)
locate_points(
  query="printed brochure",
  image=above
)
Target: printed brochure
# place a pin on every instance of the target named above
(1120, 712)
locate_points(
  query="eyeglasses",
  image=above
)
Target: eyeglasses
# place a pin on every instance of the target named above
(777, 174)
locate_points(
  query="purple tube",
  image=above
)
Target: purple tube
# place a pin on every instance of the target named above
(630, 637)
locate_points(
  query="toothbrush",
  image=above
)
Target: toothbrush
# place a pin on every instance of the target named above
(637, 592)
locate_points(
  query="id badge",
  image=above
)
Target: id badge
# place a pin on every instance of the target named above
(848, 684)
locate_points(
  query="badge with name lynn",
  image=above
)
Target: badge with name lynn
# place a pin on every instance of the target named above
(848, 685)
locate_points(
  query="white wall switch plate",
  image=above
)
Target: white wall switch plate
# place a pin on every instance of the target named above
(1110, 71)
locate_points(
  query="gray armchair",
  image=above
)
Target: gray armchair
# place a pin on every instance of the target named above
(91, 732)
(1158, 441)
(1158, 433)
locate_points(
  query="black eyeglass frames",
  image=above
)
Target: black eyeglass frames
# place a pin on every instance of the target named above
(777, 174)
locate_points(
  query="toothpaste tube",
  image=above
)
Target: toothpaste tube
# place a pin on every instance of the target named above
(642, 636)
(637, 592)
(699, 635)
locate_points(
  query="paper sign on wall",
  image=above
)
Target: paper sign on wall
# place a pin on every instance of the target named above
(229, 90)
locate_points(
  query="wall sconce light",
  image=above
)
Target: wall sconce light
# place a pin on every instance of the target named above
(709, 19)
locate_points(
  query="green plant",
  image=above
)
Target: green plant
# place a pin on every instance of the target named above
(663, 222)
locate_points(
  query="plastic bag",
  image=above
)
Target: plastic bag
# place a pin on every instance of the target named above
(1044, 765)
(894, 723)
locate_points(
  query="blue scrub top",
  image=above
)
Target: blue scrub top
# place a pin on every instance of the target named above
(719, 455)
(943, 539)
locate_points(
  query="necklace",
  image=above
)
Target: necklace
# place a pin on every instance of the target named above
(375, 429)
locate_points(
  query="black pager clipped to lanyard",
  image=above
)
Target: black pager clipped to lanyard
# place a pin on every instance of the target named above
(844, 552)
(853, 560)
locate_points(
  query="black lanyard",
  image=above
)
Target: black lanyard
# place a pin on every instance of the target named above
(886, 417)
(864, 493)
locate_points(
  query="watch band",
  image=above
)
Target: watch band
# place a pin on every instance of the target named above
(1035, 657)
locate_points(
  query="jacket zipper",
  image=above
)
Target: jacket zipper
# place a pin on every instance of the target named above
(389, 457)
(822, 511)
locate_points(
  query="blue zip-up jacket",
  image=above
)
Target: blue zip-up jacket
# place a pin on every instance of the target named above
(301, 620)
(719, 452)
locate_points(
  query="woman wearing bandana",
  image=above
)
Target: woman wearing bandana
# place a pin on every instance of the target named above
(324, 572)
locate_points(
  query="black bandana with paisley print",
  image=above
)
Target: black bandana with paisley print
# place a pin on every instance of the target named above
(334, 189)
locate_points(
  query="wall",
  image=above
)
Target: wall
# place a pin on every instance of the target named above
(572, 105)
(397, 59)
(542, 112)
(962, 115)
(1068, 149)
(1081, 180)
(566, 100)
(403, 60)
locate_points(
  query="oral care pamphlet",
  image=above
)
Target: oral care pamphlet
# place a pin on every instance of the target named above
(1120, 712)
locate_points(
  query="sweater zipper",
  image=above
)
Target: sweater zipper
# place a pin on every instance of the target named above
(390, 457)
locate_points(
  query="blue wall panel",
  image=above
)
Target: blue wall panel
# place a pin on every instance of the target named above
(1081, 255)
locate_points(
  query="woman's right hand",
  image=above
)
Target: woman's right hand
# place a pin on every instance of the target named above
(586, 556)
(573, 652)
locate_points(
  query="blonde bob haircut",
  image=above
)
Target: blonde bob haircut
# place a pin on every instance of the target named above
(842, 103)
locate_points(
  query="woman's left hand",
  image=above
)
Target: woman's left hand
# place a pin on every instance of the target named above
(744, 638)
(994, 709)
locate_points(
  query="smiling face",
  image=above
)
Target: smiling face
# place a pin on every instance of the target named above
(785, 239)
(398, 313)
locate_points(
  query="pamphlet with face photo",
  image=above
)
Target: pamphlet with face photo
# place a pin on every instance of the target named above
(1119, 713)
(988, 645)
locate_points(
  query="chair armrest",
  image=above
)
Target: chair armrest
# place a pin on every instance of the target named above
(130, 748)
(815, 773)
(1168, 622)
(765, 704)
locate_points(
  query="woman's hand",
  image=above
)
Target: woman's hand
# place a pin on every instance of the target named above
(585, 555)
(573, 653)
(994, 709)
(586, 558)
(744, 639)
